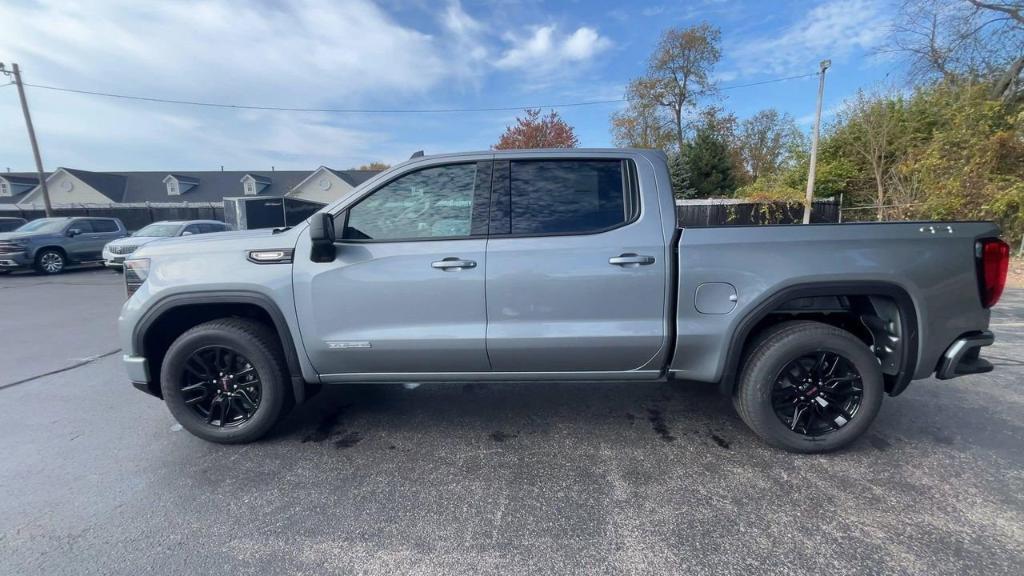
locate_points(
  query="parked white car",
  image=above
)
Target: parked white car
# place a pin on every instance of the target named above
(115, 252)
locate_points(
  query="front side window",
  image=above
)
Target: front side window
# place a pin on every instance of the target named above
(431, 203)
(83, 226)
(103, 225)
(159, 230)
(567, 196)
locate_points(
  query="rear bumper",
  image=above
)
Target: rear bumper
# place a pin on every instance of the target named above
(963, 356)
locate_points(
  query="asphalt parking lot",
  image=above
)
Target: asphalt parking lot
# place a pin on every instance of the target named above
(611, 478)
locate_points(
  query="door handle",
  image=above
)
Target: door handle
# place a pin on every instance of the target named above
(453, 263)
(631, 260)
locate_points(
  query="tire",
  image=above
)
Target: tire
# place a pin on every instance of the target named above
(50, 261)
(258, 348)
(770, 385)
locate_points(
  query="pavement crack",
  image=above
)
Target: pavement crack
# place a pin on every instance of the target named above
(79, 364)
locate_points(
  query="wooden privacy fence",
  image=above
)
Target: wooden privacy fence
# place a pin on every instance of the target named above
(703, 213)
(689, 213)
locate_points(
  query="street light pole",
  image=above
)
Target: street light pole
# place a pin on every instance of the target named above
(808, 202)
(31, 135)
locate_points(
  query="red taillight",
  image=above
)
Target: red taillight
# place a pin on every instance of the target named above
(993, 261)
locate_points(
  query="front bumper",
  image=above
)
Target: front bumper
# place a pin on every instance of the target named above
(963, 356)
(137, 368)
(111, 260)
(13, 260)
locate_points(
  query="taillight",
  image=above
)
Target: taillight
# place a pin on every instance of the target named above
(993, 259)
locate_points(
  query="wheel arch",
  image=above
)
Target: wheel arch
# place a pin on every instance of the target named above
(179, 312)
(909, 324)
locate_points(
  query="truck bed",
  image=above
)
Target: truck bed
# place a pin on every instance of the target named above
(928, 266)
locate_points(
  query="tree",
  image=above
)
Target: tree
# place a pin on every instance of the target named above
(375, 165)
(642, 124)
(680, 71)
(710, 165)
(765, 142)
(679, 171)
(536, 131)
(963, 41)
(870, 128)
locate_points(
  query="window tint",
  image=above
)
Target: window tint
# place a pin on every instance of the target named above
(567, 196)
(191, 229)
(207, 228)
(103, 225)
(83, 226)
(432, 203)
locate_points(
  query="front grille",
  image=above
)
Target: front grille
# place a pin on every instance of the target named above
(10, 247)
(123, 249)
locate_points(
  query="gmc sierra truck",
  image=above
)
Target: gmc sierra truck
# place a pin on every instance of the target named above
(555, 265)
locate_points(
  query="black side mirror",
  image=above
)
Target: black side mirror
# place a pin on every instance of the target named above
(74, 232)
(321, 235)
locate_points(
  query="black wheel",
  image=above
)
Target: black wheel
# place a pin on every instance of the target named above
(224, 380)
(809, 387)
(50, 261)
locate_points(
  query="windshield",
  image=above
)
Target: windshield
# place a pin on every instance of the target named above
(44, 225)
(159, 230)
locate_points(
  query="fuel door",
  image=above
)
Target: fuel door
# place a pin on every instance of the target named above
(715, 298)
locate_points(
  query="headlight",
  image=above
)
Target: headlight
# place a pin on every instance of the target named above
(136, 270)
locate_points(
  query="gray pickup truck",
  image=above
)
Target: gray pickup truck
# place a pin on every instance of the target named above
(50, 244)
(554, 265)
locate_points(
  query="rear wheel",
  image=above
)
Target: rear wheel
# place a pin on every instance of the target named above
(809, 387)
(50, 261)
(224, 380)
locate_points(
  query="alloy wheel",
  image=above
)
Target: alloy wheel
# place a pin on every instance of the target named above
(51, 262)
(221, 386)
(817, 393)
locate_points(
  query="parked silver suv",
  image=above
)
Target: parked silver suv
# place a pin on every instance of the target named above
(115, 252)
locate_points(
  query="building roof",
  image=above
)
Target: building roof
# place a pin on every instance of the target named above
(205, 186)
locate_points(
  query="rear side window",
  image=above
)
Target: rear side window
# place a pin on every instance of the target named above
(207, 228)
(569, 196)
(103, 225)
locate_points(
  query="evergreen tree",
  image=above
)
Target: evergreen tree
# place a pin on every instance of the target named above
(710, 166)
(679, 170)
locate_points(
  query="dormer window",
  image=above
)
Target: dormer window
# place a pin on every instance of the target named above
(178, 184)
(5, 189)
(254, 184)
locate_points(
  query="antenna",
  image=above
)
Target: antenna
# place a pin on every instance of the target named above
(416, 154)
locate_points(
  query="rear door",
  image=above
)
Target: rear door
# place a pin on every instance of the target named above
(575, 268)
(405, 293)
(103, 231)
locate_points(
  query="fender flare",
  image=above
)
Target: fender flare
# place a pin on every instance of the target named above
(905, 304)
(173, 301)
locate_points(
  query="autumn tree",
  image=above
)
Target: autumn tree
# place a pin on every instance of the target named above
(536, 131)
(643, 123)
(680, 72)
(766, 141)
(375, 165)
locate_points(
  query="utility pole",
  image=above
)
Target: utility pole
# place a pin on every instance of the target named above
(31, 135)
(808, 202)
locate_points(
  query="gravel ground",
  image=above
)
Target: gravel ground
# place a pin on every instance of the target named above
(609, 478)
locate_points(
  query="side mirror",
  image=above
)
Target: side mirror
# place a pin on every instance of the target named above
(186, 233)
(321, 236)
(74, 232)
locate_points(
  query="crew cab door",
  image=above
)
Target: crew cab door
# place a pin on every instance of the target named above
(405, 292)
(95, 233)
(576, 270)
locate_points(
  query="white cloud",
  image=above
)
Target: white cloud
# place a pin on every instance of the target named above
(545, 49)
(835, 30)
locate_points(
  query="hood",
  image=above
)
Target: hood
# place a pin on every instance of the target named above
(134, 240)
(262, 238)
(20, 235)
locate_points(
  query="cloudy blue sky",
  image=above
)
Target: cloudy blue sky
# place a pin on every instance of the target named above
(384, 54)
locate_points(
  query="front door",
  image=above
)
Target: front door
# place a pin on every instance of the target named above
(405, 293)
(576, 277)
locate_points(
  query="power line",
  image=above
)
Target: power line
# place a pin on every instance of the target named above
(375, 110)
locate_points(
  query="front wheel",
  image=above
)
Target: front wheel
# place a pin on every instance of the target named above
(50, 261)
(224, 380)
(809, 387)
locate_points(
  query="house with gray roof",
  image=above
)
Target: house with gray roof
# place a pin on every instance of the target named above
(71, 186)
